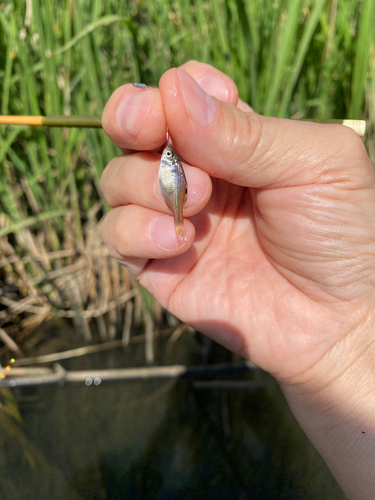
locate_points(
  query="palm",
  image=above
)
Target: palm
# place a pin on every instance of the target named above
(228, 286)
(278, 273)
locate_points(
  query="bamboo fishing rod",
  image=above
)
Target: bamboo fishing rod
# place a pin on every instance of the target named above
(359, 126)
(52, 121)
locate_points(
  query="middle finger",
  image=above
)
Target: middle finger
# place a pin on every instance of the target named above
(134, 179)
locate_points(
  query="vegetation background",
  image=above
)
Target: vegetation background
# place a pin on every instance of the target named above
(289, 58)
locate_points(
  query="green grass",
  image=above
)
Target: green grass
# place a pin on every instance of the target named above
(287, 57)
(309, 59)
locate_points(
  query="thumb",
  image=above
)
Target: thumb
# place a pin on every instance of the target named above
(253, 150)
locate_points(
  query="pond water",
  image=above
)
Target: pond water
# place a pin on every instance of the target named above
(156, 439)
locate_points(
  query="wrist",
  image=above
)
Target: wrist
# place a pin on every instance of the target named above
(336, 409)
(345, 373)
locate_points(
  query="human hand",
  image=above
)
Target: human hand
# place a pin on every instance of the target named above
(280, 256)
(279, 262)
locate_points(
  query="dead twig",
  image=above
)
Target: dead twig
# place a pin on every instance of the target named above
(175, 336)
(82, 351)
(10, 343)
(58, 375)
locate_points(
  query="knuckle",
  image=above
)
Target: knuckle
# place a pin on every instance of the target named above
(355, 165)
(191, 65)
(105, 228)
(247, 134)
(113, 232)
(351, 143)
(103, 182)
(119, 230)
(111, 179)
(106, 182)
(110, 109)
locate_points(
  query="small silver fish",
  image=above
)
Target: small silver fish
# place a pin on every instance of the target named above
(174, 187)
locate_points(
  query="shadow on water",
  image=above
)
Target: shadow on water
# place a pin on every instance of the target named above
(156, 439)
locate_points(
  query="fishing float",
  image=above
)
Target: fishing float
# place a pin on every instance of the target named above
(359, 126)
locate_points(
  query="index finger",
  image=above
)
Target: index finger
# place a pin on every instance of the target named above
(134, 118)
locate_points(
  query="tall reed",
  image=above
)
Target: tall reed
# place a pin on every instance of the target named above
(305, 58)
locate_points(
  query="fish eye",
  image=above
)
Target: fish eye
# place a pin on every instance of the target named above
(168, 153)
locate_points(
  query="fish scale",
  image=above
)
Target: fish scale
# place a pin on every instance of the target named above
(174, 187)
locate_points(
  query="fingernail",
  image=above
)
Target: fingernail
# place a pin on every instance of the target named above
(214, 86)
(144, 86)
(162, 231)
(199, 106)
(133, 111)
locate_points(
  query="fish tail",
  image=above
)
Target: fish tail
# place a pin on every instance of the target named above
(180, 232)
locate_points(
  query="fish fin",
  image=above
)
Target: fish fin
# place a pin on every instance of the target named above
(180, 232)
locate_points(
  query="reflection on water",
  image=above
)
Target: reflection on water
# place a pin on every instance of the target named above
(159, 439)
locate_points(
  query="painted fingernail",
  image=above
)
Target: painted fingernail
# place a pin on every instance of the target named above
(199, 106)
(214, 86)
(144, 86)
(163, 232)
(133, 111)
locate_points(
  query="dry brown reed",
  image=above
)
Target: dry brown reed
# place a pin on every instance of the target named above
(80, 282)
